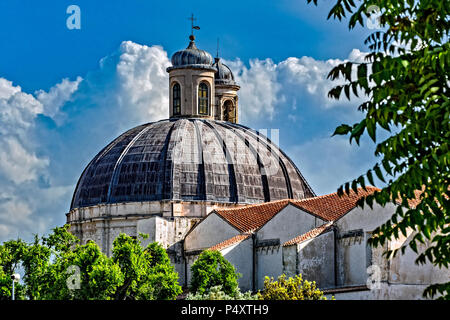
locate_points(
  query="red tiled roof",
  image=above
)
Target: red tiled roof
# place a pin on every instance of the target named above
(230, 242)
(331, 207)
(310, 234)
(412, 202)
(252, 217)
(328, 207)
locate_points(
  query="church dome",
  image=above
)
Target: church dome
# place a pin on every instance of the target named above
(223, 73)
(191, 56)
(190, 160)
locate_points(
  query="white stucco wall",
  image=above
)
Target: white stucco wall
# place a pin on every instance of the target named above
(209, 232)
(269, 263)
(352, 261)
(404, 270)
(316, 260)
(386, 292)
(240, 256)
(354, 256)
(290, 263)
(366, 218)
(401, 277)
(287, 224)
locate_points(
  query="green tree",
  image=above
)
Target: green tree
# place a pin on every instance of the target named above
(51, 263)
(290, 289)
(212, 269)
(148, 273)
(405, 79)
(9, 263)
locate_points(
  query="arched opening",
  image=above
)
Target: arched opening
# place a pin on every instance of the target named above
(203, 99)
(176, 99)
(229, 111)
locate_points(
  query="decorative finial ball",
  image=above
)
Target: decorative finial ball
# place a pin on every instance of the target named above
(192, 37)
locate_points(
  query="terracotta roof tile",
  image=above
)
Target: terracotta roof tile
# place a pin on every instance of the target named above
(252, 217)
(412, 202)
(331, 207)
(310, 234)
(328, 207)
(229, 242)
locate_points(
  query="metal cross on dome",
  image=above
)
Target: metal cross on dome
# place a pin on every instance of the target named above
(192, 24)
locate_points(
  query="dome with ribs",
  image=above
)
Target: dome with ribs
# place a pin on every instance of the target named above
(190, 160)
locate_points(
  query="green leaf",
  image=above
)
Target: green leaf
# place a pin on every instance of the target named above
(379, 173)
(370, 177)
(342, 130)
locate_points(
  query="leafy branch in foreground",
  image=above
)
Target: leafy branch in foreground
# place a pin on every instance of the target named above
(405, 78)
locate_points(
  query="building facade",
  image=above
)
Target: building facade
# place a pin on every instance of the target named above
(201, 181)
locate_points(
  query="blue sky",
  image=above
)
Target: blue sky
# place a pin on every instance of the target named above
(64, 94)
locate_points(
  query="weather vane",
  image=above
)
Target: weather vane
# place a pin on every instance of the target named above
(192, 24)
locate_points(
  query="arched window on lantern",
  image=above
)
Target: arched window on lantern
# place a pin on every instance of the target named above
(229, 111)
(176, 98)
(203, 99)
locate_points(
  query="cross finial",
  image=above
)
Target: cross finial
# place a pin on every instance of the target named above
(192, 24)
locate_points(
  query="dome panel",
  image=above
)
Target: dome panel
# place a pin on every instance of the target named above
(191, 56)
(190, 160)
(223, 73)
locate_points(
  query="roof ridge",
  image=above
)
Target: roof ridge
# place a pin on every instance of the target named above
(309, 234)
(252, 205)
(331, 194)
(229, 242)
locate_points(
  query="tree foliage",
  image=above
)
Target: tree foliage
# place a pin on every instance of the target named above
(216, 293)
(290, 289)
(212, 269)
(57, 267)
(405, 79)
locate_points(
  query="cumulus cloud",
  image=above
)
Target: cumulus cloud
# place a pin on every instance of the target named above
(18, 164)
(47, 137)
(260, 89)
(143, 80)
(268, 89)
(21, 168)
(53, 100)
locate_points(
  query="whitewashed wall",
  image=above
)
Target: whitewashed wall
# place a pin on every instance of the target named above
(240, 256)
(211, 231)
(316, 260)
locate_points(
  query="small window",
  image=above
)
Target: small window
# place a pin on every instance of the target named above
(203, 99)
(176, 97)
(229, 112)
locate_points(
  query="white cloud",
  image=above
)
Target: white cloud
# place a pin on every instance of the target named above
(18, 164)
(143, 80)
(57, 96)
(17, 109)
(39, 166)
(260, 90)
(41, 163)
(266, 87)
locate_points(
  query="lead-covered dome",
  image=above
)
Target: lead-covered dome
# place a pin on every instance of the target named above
(223, 73)
(191, 56)
(190, 160)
